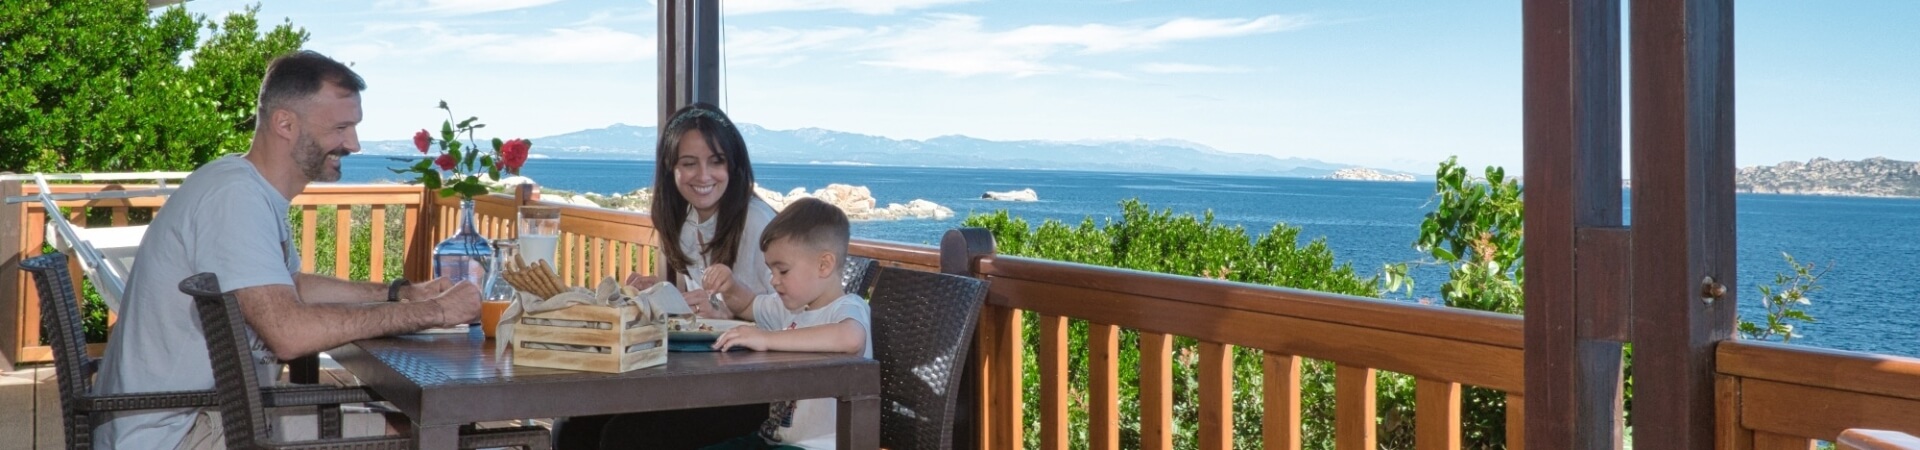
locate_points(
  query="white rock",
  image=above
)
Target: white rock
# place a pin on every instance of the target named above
(1023, 195)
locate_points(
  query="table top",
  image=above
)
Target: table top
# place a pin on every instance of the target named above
(442, 379)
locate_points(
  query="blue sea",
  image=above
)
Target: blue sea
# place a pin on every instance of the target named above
(1870, 298)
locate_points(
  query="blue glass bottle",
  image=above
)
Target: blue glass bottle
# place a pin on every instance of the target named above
(465, 255)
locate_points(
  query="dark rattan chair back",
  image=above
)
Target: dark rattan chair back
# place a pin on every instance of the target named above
(242, 413)
(857, 272)
(60, 316)
(922, 325)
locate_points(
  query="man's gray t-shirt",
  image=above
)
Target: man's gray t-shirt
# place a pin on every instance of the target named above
(225, 219)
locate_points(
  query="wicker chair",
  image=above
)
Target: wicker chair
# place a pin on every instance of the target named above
(243, 408)
(858, 273)
(80, 409)
(922, 325)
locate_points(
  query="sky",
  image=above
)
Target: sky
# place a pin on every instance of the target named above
(1394, 85)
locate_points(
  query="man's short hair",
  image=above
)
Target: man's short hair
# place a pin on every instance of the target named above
(295, 76)
(812, 223)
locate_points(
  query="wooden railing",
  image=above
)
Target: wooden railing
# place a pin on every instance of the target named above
(20, 302)
(1442, 348)
(1777, 396)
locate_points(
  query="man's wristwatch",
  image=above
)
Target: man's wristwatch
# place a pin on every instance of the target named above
(393, 288)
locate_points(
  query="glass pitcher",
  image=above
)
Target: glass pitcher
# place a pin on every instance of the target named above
(497, 289)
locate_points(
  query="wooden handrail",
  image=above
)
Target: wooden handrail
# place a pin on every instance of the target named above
(1779, 395)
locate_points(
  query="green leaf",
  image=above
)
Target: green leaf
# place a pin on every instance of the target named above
(497, 143)
(446, 132)
(448, 192)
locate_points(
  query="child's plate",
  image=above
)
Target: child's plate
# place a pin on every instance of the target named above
(706, 330)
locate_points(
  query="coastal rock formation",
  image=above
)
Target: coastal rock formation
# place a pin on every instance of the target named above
(856, 201)
(1872, 177)
(1365, 174)
(1023, 195)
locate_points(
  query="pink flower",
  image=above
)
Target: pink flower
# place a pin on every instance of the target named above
(445, 161)
(420, 141)
(513, 154)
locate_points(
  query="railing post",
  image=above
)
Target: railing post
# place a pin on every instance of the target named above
(959, 248)
(419, 258)
(12, 224)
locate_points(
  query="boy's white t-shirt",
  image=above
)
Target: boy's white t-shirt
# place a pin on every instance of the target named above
(813, 419)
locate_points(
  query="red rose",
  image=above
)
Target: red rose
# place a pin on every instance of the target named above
(420, 141)
(445, 161)
(513, 154)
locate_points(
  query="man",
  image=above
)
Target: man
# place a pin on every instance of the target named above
(230, 218)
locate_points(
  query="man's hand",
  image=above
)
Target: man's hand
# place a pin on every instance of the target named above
(459, 304)
(748, 336)
(426, 290)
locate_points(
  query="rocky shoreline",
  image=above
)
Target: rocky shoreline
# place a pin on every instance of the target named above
(1871, 177)
(856, 201)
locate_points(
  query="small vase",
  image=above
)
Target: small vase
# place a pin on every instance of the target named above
(465, 255)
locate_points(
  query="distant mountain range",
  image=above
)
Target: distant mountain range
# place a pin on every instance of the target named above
(1871, 177)
(820, 146)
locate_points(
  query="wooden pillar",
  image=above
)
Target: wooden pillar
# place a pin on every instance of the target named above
(13, 285)
(959, 248)
(689, 55)
(1683, 214)
(1577, 252)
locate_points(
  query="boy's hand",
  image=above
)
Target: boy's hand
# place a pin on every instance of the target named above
(748, 336)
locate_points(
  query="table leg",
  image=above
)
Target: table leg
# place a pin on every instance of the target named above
(443, 437)
(859, 419)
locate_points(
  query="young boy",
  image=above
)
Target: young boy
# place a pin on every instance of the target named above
(805, 245)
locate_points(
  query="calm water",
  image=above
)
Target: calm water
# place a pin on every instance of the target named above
(1870, 301)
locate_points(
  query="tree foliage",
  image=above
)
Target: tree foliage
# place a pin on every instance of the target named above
(104, 86)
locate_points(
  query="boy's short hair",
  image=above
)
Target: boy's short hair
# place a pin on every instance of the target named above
(812, 223)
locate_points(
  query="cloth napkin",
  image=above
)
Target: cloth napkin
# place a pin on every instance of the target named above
(608, 293)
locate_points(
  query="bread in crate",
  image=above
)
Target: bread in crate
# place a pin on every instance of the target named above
(610, 330)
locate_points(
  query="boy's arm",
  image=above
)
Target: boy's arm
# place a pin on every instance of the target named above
(845, 336)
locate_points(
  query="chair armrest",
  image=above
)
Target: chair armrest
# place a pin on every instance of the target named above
(528, 437)
(316, 395)
(366, 443)
(148, 400)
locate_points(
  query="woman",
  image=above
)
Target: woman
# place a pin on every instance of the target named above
(707, 216)
(709, 222)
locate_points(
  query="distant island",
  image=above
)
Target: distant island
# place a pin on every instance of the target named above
(821, 146)
(1872, 177)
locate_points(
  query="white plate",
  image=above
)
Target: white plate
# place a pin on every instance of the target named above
(718, 325)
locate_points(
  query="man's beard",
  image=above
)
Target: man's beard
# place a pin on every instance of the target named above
(313, 160)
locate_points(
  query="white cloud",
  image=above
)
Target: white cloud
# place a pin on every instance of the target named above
(961, 45)
(428, 40)
(457, 7)
(1180, 68)
(873, 7)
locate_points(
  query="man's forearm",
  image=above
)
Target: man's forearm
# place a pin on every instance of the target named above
(326, 289)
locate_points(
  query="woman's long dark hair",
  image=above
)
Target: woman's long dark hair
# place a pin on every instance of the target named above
(669, 209)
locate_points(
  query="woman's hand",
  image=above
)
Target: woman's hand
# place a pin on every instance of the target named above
(702, 304)
(748, 336)
(717, 278)
(639, 281)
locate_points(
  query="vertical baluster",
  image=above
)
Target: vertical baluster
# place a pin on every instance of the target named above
(343, 241)
(1103, 386)
(1002, 361)
(1216, 396)
(1354, 410)
(119, 216)
(309, 236)
(626, 261)
(1516, 422)
(1436, 423)
(1156, 391)
(1280, 428)
(377, 245)
(1053, 382)
(35, 229)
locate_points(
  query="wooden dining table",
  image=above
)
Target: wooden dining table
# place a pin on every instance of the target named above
(443, 381)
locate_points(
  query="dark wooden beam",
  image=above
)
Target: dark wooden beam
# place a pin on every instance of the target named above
(1683, 221)
(1576, 253)
(689, 54)
(13, 285)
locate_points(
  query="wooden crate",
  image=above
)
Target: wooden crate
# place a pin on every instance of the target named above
(648, 342)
